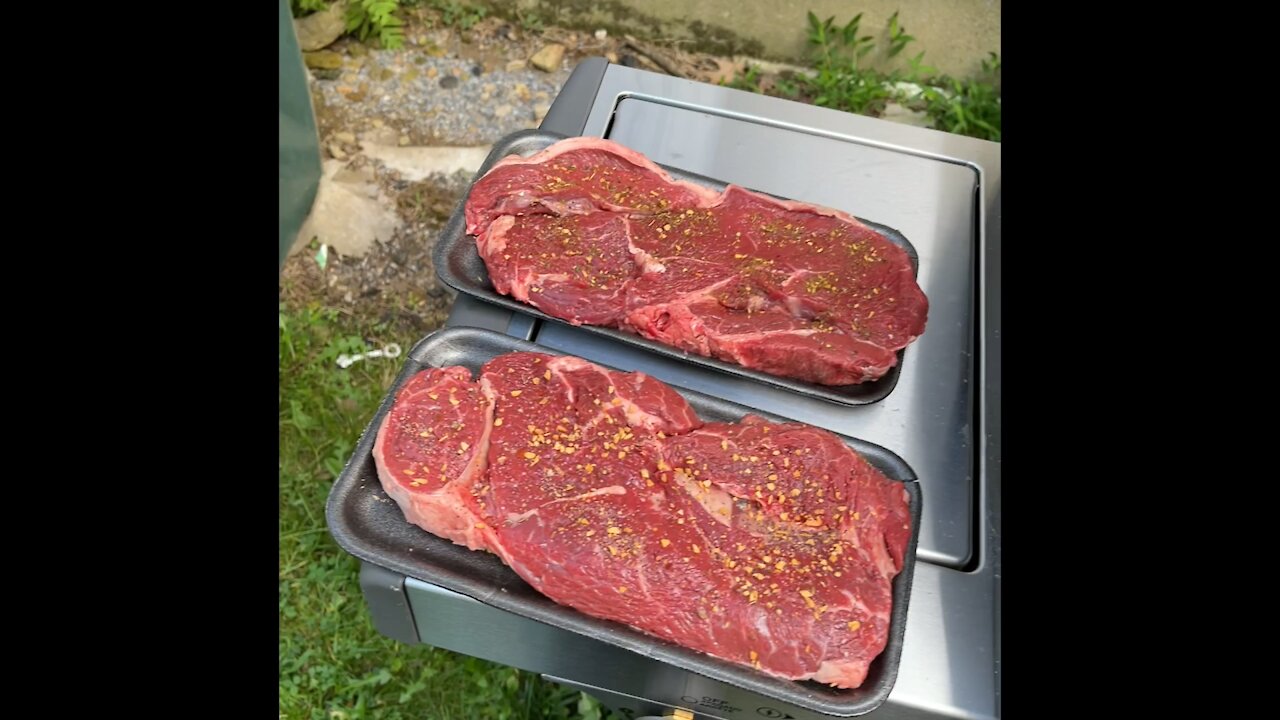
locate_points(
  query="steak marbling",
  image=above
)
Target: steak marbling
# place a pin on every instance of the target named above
(591, 232)
(771, 545)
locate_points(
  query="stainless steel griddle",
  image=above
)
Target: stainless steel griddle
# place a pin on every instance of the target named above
(943, 192)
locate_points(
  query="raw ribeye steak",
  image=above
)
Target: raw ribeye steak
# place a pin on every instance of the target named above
(593, 233)
(771, 545)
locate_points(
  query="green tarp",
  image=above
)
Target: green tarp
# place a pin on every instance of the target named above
(299, 143)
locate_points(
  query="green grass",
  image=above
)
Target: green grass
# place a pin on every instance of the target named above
(333, 664)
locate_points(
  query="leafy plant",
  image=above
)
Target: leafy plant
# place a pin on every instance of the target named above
(460, 14)
(825, 35)
(376, 18)
(842, 81)
(531, 20)
(970, 107)
(898, 37)
(748, 80)
(306, 7)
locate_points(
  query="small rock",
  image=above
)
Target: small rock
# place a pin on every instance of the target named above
(502, 111)
(318, 30)
(432, 72)
(326, 74)
(386, 74)
(602, 34)
(379, 136)
(324, 60)
(612, 57)
(477, 70)
(542, 96)
(336, 151)
(377, 122)
(540, 110)
(346, 138)
(355, 49)
(515, 66)
(521, 91)
(404, 140)
(548, 58)
(409, 75)
(448, 82)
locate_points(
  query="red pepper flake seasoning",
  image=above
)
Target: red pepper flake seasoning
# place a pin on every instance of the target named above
(433, 396)
(615, 531)
(622, 589)
(665, 542)
(854, 625)
(497, 422)
(696, 550)
(516, 393)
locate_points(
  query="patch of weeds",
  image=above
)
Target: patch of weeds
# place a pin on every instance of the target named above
(333, 664)
(748, 80)
(306, 7)
(842, 81)
(459, 14)
(427, 200)
(376, 18)
(531, 20)
(969, 107)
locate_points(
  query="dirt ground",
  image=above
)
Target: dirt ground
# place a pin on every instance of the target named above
(446, 87)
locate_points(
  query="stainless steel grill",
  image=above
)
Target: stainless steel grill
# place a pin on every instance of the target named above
(943, 192)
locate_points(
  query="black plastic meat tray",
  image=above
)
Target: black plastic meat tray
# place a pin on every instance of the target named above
(370, 526)
(459, 265)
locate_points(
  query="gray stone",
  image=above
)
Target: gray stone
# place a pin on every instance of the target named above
(346, 138)
(345, 216)
(419, 162)
(502, 111)
(899, 114)
(548, 58)
(515, 65)
(318, 30)
(448, 82)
